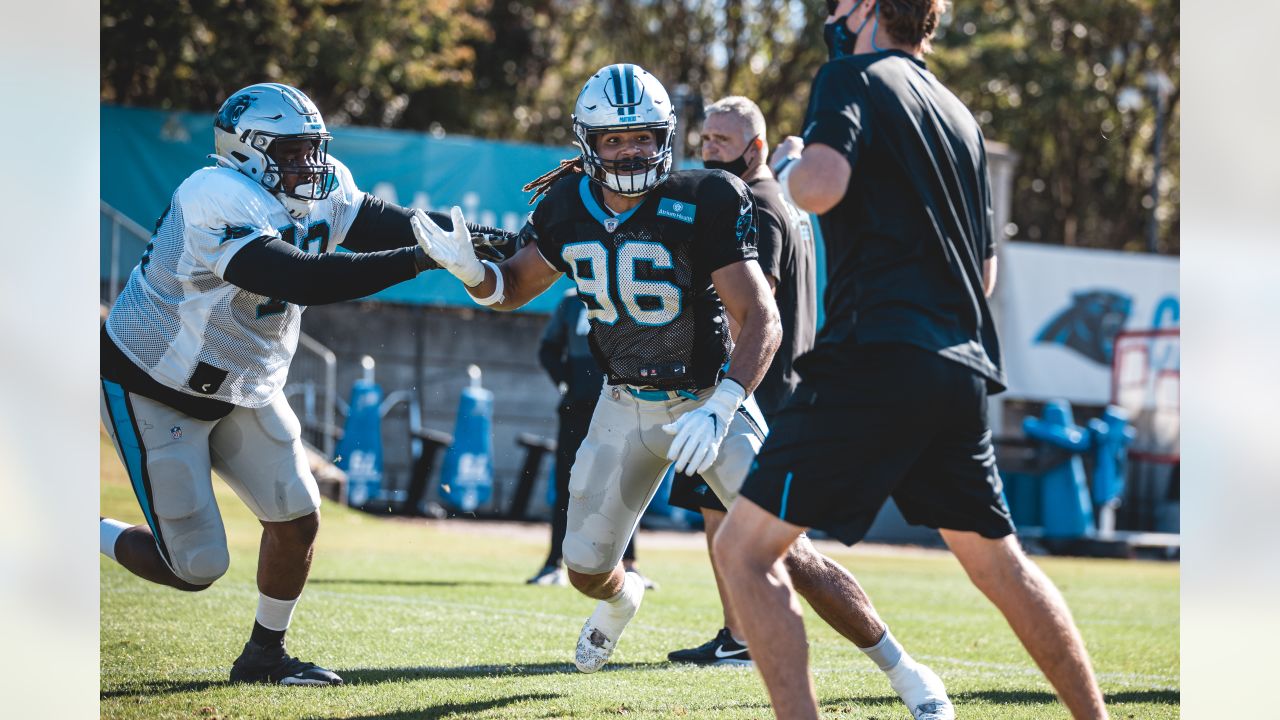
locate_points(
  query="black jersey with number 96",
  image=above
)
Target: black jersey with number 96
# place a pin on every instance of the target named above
(645, 275)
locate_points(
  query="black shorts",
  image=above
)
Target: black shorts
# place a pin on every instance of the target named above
(895, 421)
(691, 492)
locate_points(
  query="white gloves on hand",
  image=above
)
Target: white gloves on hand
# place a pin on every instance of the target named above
(452, 249)
(698, 433)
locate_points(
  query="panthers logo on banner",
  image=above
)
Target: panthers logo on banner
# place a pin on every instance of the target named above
(1089, 325)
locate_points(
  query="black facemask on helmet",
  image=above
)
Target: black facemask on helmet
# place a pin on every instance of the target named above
(836, 34)
(737, 166)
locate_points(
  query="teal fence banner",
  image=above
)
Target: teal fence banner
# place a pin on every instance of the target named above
(147, 153)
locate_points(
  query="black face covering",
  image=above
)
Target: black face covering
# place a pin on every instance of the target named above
(836, 35)
(737, 166)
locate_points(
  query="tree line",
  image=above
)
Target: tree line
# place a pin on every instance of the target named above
(1073, 88)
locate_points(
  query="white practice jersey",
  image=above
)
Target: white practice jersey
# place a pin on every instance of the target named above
(177, 315)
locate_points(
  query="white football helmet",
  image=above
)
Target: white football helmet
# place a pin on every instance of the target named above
(253, 119)
(624, 98)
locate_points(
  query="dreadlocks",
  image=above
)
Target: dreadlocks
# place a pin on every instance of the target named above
(542, 183)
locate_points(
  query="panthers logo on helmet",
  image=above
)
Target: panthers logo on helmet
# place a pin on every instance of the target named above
(231, 111)
(1089, 325)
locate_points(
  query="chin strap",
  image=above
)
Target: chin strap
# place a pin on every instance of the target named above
(297, 209)
(223, 162)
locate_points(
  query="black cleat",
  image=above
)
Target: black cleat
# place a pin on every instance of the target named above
(720, 650)
(272, 665)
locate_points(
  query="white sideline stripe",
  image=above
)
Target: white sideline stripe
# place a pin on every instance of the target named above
(1127, 679)
(1031, 670)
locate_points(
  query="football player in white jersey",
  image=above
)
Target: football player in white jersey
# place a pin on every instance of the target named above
(197, 347)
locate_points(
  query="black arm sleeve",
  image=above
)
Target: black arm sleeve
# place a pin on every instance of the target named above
(382, 225)
(275, 269)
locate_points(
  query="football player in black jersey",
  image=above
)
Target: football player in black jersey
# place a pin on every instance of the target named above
(661, 259)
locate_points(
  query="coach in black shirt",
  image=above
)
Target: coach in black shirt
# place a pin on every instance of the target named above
(892, 401)
(734, 139)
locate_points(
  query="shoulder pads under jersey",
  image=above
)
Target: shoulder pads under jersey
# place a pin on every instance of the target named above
(218, 197)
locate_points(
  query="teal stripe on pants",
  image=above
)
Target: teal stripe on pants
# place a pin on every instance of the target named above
(130, 448)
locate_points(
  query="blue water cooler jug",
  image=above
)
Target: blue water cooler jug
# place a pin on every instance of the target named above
(466, 477)
(1065, 508)
(359, 452)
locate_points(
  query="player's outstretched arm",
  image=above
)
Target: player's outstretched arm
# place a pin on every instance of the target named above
(273, 268)
(749, 300)
(504, 286)
(381, 225)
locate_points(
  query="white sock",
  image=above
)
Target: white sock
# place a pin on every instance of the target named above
(623, 604)
(275, 614)
(886, 653)
(109, 531)
(632, 589)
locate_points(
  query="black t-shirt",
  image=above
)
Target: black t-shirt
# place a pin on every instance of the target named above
(906, 244)
(645, 275)
(784, 237)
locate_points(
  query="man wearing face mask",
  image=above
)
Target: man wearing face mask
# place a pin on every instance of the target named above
(892, 401)
(734, 140)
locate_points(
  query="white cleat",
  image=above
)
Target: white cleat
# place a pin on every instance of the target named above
(922, 691)
(549, 575)
(600, 635)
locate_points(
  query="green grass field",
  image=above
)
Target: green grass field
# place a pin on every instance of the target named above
(430, 620)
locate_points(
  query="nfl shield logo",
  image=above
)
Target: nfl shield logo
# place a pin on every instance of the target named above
(176, 432)
(611, 224)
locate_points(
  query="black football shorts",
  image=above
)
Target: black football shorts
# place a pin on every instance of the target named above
(691, 492)
(893, 421)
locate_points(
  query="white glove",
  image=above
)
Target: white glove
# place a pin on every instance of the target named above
(698, 433)
(452, 249)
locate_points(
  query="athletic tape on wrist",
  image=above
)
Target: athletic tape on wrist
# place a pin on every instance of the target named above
(498, 286)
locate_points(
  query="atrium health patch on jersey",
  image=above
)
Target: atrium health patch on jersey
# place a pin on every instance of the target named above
(677, 210)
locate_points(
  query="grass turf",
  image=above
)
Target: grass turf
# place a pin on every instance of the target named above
(433, 620)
